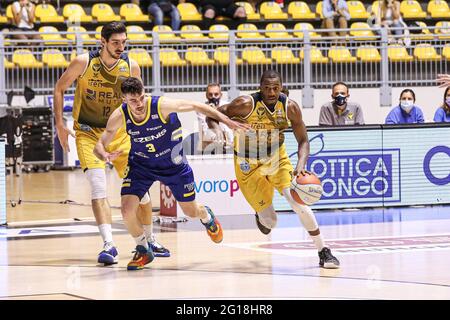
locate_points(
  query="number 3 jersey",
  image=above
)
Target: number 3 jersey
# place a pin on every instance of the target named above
(155, 142)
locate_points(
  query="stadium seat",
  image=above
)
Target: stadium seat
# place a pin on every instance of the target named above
(446, 52)
(222, 56)
(443, 30)
(9, 13)
(301, 26)
(74, 54)
(316, 55)
(219, 32)
(374, 8)
(438, 9)
(425, 32)
(254, 55)
(98, 32)
(141, 56)
(104, 13)
(3, 19)
(192, 32)
(426, 52)
(340, 54)
(253, 31)
(75, 13)
(131, 12)
(137, 34)
(357, 10)
(170, 58)
(362, 34)
(25, 59)
(165, 34)
(51, 35)
(300, 10)
(397, 53)
(411, 9)
(284, 55)
(47, 13)
(54, 58)
(72, 34)
(319, 6)
(280, 33)
(198, 57)
(8, 64)
(249, 10)
(189, 12)
(271, 10)
(368, 54)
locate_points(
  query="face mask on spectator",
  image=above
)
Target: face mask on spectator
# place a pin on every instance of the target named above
(406, 105)
(214, 101)
(340, 100)
(447, 102)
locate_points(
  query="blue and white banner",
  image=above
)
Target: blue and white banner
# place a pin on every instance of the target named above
(377, 167)
(2, 183)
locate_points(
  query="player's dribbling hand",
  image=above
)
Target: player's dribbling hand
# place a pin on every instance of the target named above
(301, 172)
(443, 80)
(63, 135)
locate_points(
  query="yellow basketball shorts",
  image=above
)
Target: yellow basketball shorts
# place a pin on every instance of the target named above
(86, 141)
(258, 178)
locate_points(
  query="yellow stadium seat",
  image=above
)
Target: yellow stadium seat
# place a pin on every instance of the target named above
(75, 12)
(425, 32)
(357, 10)
(426, 52)
(252, 31)
(3, 19)
(141, 56)
(446, 52)
(249, 10)
(254, 55)
(340, 54)
(375, 7)
(104, 13)
(301, 26)
(137, 34)
(165, 34)
(51, 35)
(272, 10)
(284, 55)
(398, 53)
(8, 64)
(72, 34)
(131, 12)
(192, 32)
(368, 54)
(170, 58)
(438, 9)
(74, 54)
(316, 55)
(25, 59)
(280, 31)
(219, 32)
(362, 34)
(198, 57)
(54, 58)
(222, 56)
(300, 10)
(443, 30)
(319, 6)
(189, 12)
(411, 9)
(9, 13)
(98, 32)
(47, 13)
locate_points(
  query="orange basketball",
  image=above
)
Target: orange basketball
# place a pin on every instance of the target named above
(306, 189)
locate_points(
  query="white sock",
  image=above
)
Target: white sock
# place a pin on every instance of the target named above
(207, 219)
(318, 241)
(106, 233)
(148, 231)
(141, 241)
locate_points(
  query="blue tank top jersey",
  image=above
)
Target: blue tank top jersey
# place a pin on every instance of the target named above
(155, 142)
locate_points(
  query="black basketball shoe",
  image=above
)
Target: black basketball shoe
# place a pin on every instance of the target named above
(262, 228)
(327, 260)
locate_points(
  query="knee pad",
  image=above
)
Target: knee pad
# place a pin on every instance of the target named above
(97, 181)
(304, 212)
(268, 217)
(145, 199)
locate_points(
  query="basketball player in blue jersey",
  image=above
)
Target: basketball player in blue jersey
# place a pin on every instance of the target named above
(156, 155)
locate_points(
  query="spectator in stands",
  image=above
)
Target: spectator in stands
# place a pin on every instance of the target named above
(335, 12)
(340, 111)
(211, 9)
(442, 114)
(406, 111)
(23, 19)
(389, 16)
(159, 8)
(207, 136)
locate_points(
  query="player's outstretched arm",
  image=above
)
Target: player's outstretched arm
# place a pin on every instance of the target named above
(298, 127)
(115, 121)
(238, 108)
(443, 80)
(73, 71)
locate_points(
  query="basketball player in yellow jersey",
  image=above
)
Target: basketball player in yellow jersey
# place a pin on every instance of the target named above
(261, 161)
(99, 75)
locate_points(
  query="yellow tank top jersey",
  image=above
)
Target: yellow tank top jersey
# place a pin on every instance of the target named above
(98, 92)
(268, 127)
